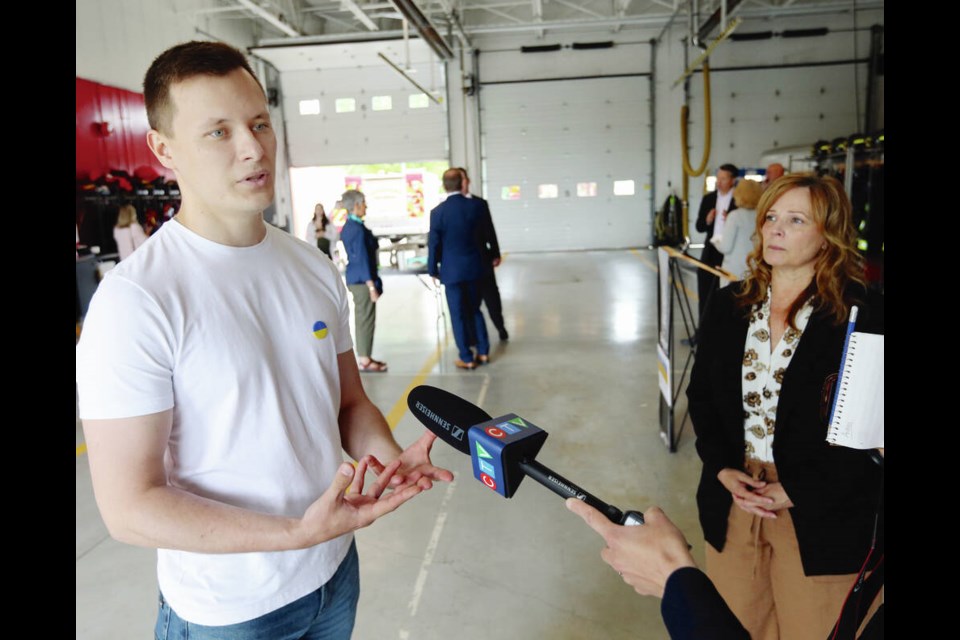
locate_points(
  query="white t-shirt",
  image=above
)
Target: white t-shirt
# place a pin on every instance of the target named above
(242, 344)
(723, 205)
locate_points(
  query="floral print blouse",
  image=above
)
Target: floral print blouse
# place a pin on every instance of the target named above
(763, 370)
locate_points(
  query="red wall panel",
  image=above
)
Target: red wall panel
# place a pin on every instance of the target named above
(126, 147)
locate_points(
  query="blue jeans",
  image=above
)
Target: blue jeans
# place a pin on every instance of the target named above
(326, 614)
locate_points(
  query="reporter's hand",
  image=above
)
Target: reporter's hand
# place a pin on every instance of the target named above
(745, 492)
(340, 511)
(643, 555)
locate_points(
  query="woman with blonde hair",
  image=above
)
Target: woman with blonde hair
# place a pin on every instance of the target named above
(736, 239)
(789, 519)
(128, 233)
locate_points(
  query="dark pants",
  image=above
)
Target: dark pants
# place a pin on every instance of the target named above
(463, 300)
(707, 283)
(491, 299)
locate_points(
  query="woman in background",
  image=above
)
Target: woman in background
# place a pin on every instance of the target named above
(735, 242)
(321, 232)
(362, 277)
(789, 519)
(127, 232)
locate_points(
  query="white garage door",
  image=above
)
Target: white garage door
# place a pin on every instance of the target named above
(567, 163)
(343, 104)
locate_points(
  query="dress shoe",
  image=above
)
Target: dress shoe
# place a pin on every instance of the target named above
(504, 336)
(465, 365)
(483, 359)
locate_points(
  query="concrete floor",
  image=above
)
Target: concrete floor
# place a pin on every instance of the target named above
(460, 561)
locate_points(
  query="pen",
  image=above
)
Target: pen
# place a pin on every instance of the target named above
(843, 360)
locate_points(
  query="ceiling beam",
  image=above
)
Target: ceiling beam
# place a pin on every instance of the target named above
(579, 8)
(358, 13)
(269, 17)
(504, 14)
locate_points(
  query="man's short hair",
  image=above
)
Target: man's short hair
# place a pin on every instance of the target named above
(463, 170)
(351, 198)
(730, 168)
(453, 180)
(180, 63)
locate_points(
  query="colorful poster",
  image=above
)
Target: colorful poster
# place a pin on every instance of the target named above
(415, 204)
(511, 192)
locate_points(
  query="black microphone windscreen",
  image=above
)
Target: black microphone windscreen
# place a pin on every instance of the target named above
(446, 415)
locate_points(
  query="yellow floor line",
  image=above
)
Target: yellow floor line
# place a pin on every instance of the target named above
(690, 294)
(644, 260)
(81, 449)
(400, 408)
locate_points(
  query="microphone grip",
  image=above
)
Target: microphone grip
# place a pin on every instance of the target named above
(566, 489)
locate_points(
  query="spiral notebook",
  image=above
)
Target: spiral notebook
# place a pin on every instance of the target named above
(856, 419)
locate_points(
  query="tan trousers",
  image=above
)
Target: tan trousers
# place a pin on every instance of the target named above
(760, 576)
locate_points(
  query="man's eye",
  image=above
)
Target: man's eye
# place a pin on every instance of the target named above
(261, 126)
(217, 133)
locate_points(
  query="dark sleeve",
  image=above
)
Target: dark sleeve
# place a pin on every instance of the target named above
(490, 233)
(693, 608)
(708, 202)
(435, 250)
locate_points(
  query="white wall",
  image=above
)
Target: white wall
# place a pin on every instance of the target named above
(118, 39)
(748, 117)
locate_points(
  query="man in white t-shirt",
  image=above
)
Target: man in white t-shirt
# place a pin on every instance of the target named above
(218, 388)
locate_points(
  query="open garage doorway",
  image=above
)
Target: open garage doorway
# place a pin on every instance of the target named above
(399, 198)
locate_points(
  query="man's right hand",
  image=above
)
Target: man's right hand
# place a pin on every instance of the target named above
(340, 511)
(711, 216)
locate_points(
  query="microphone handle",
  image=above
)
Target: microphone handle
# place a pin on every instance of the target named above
(566, 489)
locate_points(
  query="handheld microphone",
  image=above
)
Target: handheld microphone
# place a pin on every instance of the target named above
(502, 449)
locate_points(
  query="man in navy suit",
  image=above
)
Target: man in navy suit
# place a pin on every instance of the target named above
(456, 234)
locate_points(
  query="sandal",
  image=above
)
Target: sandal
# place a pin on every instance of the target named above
(373, 365)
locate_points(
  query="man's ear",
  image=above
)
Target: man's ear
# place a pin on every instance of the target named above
(161, 148)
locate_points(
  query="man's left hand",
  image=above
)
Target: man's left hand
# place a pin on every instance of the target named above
(415, 466)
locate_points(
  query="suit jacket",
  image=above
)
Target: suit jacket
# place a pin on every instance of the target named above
(835, 489)
(710, 254)
(693, 609)
(490, 247)
(455, 239)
